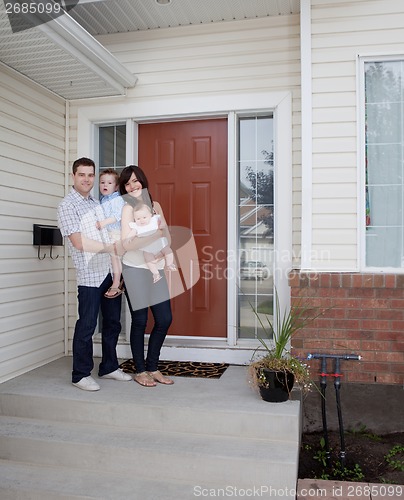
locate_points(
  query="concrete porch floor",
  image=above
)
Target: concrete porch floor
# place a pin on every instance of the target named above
(231, 391)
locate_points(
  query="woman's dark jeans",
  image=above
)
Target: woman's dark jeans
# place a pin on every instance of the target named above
(142, 293)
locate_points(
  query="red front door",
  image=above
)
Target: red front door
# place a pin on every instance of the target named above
(186, 164)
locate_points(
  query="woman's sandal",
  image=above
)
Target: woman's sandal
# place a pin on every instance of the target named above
(159, 377)
(144, 379)
(117, 293)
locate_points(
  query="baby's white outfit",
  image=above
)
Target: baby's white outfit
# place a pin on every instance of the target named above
(148, 230)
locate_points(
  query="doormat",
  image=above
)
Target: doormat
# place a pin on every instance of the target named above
(183, 368)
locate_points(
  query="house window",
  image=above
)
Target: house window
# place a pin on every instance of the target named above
(384, 142)
(112, 146)
(256, 223)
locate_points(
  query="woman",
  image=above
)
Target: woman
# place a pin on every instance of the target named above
(142, 293)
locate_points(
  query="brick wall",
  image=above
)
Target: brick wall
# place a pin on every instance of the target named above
(363, 314)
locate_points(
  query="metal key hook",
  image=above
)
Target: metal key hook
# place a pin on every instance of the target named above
(39, 251)
(51, 256)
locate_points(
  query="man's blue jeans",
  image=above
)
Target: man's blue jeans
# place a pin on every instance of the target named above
(91, 299)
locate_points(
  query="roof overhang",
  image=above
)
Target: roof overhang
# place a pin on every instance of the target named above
(69, 35)
(63, 57)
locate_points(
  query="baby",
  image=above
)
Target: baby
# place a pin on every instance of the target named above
(145, 224)
(112, 203)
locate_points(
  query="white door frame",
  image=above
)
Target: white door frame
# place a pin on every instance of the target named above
(231, 350)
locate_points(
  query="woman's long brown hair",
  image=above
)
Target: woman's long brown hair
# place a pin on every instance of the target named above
(126, 174)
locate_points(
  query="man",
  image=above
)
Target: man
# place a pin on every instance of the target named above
(90, 249)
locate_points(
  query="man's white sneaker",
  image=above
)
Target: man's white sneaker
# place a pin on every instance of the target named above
(118, 375)
(87, 384)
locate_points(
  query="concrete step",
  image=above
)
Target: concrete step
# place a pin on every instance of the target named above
(33, 482)
(220, 459)
(278, 422)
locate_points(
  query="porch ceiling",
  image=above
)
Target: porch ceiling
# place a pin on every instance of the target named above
(63, 55)
(102, 17)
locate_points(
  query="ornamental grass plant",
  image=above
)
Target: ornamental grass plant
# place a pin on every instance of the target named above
(274, 353)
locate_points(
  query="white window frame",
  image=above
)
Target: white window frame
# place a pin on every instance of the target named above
(361, 143)
(97, 137)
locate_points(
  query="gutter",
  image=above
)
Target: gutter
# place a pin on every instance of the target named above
(73, 38)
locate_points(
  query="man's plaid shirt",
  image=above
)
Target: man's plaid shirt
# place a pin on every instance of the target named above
(77, 214)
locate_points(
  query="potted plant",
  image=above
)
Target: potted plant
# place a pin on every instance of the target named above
(274, 371)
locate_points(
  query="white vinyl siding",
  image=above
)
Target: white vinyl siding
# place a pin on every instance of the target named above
(340, 32)
(32, 143)
(259, 54)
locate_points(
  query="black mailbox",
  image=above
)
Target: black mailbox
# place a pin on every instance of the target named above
(47, 235)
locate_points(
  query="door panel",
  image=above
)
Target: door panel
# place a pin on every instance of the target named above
(186, 164)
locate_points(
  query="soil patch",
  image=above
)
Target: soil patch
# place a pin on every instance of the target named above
(365, 457)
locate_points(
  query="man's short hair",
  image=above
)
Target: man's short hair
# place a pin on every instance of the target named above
(83, 162)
